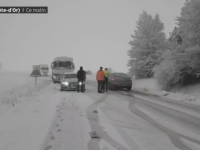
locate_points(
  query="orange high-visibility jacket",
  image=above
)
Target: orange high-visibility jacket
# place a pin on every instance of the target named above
(100, 75)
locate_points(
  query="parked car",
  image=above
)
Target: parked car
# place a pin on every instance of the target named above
(119, 80)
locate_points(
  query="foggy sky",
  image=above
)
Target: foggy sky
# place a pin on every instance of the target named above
(94, 32)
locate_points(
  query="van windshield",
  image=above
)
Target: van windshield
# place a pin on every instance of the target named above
(66, 64)
(44, 69)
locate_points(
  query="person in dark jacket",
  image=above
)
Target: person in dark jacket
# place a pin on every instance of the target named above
(81, 79)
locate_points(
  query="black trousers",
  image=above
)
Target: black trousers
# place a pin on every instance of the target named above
(106, 83)
(100, 87)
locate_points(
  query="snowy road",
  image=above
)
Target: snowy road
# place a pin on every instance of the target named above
(123, 121)
(44, 118)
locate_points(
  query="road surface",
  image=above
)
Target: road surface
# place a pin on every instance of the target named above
(123, 121)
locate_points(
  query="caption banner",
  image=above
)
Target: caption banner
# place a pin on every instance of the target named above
(30, 10)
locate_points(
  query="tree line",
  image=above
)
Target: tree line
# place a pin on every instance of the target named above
(170, 60)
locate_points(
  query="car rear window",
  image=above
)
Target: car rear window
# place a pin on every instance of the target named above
(121, 75)
(67, 76)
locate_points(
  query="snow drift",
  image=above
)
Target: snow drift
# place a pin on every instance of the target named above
(18, 84)
(184, 94)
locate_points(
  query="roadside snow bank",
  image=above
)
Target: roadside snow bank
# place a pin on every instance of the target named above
(146, 83)
(149, 86)
(12, 95)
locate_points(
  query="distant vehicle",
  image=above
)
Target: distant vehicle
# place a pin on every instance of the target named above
(69, 82)
(36, 67)
(44, 69)
(60, 66)
(119, 80)
(35, 71)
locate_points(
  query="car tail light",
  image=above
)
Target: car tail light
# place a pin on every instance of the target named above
(113, 79)
(131, 80)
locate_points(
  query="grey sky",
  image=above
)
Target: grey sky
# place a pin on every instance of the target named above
(94, 32)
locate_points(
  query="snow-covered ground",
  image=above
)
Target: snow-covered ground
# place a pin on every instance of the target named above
(189, 94)
(28, 114)
(42, 117)
(25, 125)
(22, 107)
(14, 85)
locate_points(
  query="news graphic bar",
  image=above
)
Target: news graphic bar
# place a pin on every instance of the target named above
(27, 10)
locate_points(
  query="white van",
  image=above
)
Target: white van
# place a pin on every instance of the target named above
(60, 66)
(44, 69)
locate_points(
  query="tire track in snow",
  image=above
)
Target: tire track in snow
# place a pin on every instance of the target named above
(120, 129)
(123, 134)
(173, 136)
(93, 118)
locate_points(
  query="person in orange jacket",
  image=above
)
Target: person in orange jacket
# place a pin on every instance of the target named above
(100, 79)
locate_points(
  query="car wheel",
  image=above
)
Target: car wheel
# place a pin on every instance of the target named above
(61, 89)
(128, 88)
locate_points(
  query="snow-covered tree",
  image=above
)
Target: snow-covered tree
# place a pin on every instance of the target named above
(189, 22)
(177, 66)
(175, 38)
(182, 63)
(149, 42)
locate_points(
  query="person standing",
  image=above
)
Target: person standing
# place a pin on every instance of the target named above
(100, 79)
(81, 79)
(106, 75)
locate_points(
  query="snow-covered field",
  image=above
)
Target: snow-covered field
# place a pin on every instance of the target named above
(10, 79)
(21, 109)
(25, 125)
(14, 85)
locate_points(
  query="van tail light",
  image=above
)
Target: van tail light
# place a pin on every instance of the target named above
(113, 79)
(131, 80)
